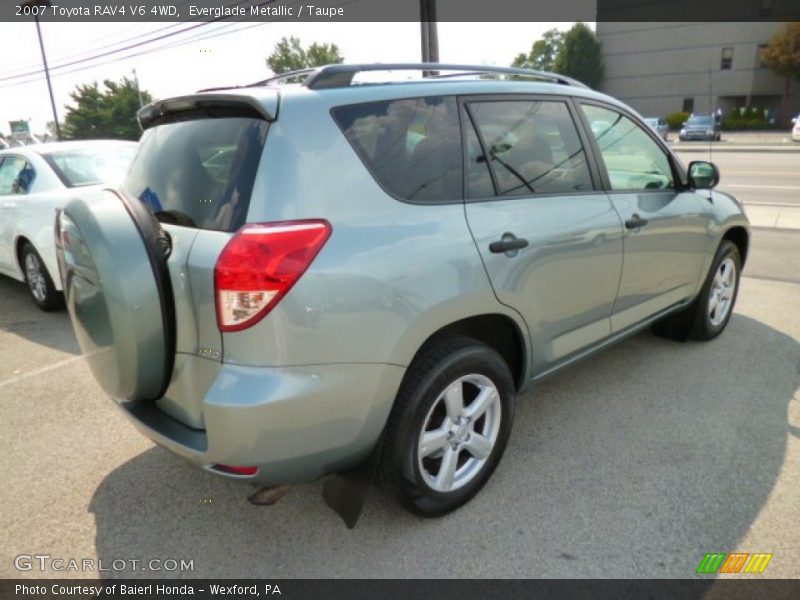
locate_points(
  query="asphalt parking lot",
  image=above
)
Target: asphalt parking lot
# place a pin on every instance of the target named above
(634, 463)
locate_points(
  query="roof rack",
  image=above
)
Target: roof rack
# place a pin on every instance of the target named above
(336, 76)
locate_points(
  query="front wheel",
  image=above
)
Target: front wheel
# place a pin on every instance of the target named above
(449, 427)
(40, 284)
(708, 315)
(716, 299)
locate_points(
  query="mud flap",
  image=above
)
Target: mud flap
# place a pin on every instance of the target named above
(346, 492)
(678, 326)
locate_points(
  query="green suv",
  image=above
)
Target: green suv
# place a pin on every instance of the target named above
(331, 266)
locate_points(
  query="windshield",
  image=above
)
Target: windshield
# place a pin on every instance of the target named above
(699, 121)
(651, 122)
(90, 166)
(199, 173)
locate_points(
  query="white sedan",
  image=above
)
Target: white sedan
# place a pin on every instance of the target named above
(34, 181)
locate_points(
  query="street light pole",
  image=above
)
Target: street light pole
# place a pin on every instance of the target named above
(33, 3)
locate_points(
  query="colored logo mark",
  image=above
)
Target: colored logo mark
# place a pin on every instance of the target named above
(735, 562)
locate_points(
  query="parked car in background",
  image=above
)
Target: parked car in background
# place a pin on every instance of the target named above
(34, 181)
(293, 278)
(796, 129)
(701, 127)
(659, 125)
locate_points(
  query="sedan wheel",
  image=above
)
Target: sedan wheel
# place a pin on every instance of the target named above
(40, 284)
(35, 277)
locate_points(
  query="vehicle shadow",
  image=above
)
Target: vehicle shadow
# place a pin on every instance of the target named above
(20, 316)
(633, 464)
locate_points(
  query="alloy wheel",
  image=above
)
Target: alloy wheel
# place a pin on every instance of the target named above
(459, 433)
(723, 287)
(35, 277)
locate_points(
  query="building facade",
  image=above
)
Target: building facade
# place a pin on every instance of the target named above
(663, 68)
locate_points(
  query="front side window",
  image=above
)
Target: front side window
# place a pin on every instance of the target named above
(634, 161)
(16, 176)
(411, 146)
(531, 146)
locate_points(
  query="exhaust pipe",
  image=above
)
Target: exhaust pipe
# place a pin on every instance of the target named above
(269, 495)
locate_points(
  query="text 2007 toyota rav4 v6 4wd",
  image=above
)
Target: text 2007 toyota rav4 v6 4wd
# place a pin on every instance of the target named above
(296, 275)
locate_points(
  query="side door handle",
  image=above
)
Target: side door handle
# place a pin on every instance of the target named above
(9, 205)
(509, 243)
(635, 222)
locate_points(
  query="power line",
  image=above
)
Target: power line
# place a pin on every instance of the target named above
(130, 46)
(103, 47)
(196, 38)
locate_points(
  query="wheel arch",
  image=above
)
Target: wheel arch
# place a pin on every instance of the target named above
(739, 236)
(498, 331)
(19, 244)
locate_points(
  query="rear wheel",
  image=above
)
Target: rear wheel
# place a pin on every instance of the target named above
(40, 284)
(449, 427)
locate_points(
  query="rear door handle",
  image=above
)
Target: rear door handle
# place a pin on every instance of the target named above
(10, 205)
(508, 244)
(635, 222)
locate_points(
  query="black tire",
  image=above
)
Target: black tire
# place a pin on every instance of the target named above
(37, 278)
(703, 328)
(420, 397)
(695, 321)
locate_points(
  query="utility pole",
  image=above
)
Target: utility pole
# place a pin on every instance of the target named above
(34, 4)
(138, 89)
(429, 31)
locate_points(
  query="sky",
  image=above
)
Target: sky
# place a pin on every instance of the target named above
(236, 55)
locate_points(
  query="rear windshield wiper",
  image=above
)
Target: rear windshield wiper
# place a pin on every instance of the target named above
(175, 217)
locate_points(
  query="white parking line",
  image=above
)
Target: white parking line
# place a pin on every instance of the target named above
(29, 374)
(783, 204)
(761, 187)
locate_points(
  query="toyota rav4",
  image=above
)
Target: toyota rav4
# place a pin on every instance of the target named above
(329, 266)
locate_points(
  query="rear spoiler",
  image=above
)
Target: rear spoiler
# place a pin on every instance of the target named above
(182, 108)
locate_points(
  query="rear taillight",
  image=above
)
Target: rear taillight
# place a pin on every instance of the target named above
(260, 264)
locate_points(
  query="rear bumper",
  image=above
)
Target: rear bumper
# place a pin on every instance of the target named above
(294, 423)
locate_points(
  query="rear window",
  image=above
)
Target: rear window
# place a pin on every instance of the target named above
(199, 173)
(412, 146)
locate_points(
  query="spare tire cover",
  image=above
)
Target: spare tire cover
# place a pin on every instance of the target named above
(112, 256)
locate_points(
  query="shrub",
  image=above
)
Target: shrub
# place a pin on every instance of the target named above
(676, 120)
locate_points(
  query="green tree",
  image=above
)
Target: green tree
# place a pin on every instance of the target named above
(782, 55)
(543, 52)
(289, 55)
(109, 113)
(579, 56)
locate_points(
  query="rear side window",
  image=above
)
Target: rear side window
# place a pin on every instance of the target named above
(90, 166)
(411, 146)
(199, 173)
(531, 146)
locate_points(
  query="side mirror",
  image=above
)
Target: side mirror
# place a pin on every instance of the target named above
(703, 175)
